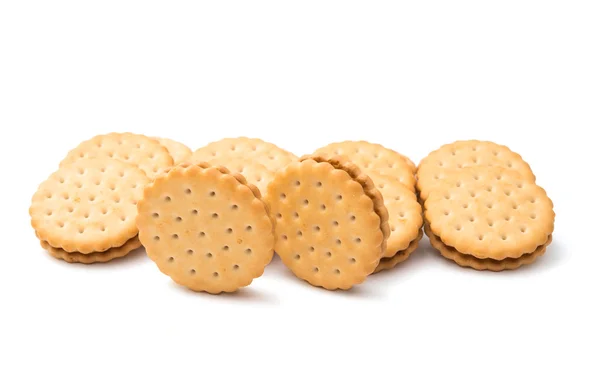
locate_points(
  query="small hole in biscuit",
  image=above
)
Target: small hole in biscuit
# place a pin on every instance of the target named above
(489, 205)
(357, 240)
(453, 152)
(49, 213)
(123, 218)
(297, 256)
(315, 269)
(171, 259)
(495, 152)
(155, 215)
(117, 199)
(472, 194)
(188, 191)
(61, 224)
(352, 218)
(338, 197)
(311, 249)
(446, 212)
(480, 237)
(319, 184)
(437, 177)
(507, 218)
(352, 260)
(215, 275)
(248, 251)
(284, 237)
(305, 202)
(225, 248)
(297, 183)
(503, 237)
(215, 215)
(192, 271)
(491, 223)
(296, 215)
(234, 207)
(78, 185)
(112, 187)
(515, 206)
(465, 205)
(190, 251)
(81, 171)
(209, 255)
(532, 200)
(81, 230)
(195, 212)
(282, 196)
(458, 184)
(248, 228)
(212, 194)
(65, 196)
(156, 238)
(323, 207)
(317, 228)
(299, 233)
(509, 165)
(167, 199)
(236, 267)
(458, 228)
(92, 198)
(507, 193)
(229, 231)
(447, 196)
(278, 215)
(520, 185)
(489, 188)
(338, 241)
(336, 271)
(104, 211)
(523, 229)
(70, 209)
(471, 219)
(533, 216)
(175, 236)
(336, 223)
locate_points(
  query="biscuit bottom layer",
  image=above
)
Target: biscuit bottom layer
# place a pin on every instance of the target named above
(399, 257)
(96, 257)
(467, 260)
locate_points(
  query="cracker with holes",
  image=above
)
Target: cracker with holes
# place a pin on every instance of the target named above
(491, 222)
(374, 159)
(178, 151)
(141, 151)
(405, 215)
(331, 223)
(257, 159)
(205, 228)
(88, 206)
(463, 154)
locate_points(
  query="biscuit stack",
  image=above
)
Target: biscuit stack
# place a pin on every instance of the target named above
(483, 208)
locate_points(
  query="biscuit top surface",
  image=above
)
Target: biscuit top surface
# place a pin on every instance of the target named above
(89, 205)
(267, 154)
(254, 172)
(373, 159)
(331, 223)
(205, 228)
(144, 152)
(177, 150)
(461, 154)
(405, 213)
(496, 219)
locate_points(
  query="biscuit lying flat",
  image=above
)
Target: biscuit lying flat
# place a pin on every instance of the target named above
(205, 228)
(490, 220)
(463, 154)
(374, 159)
(88, 206)
(331, 224)
(135, 149)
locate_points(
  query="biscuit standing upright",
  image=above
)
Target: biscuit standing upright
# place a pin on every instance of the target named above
(331, 224)
(207, 229)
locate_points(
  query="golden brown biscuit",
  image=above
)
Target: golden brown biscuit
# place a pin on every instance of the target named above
(399, 257)
(205, 228)
(105, 256)
(177, 150)
(141, 151)
(332, 225)
(88, 206)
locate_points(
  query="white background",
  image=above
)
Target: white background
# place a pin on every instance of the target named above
(411, 75)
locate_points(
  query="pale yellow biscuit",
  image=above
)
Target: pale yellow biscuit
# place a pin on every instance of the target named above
(461, 154)
(498, 220)
(399, 257)
(88, 206)
(144, 152)
(332, 225)
(205, 228)
(252, 150)
(405, 213)
(374, 159)
(177, 150)
(466, 260)
(105, 256)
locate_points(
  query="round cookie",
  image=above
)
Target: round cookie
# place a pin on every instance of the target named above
(466, 260)
(141, 151)
(177, 150)
(252, 150)
(88, 206)
(205, 228)
(374, 159)
(399, 257)
(405, 214)
(331, 224)
(462, 154)
(497, 220)
(105, 256)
